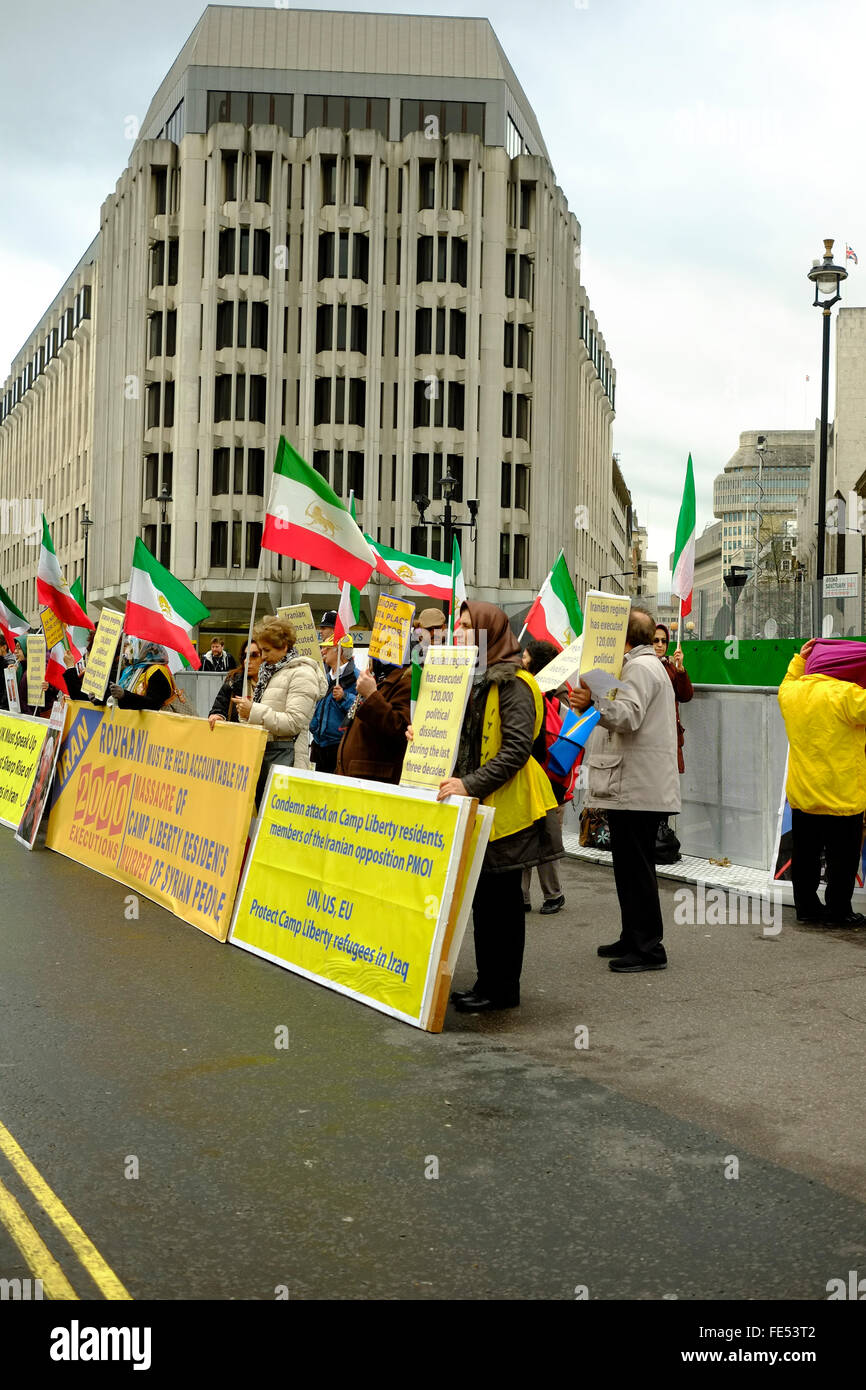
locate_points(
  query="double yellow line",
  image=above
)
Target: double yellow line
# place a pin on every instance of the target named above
(39, 1258)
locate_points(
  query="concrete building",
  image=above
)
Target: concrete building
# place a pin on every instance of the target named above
(345, 228)
(759, 490)
(621, 538)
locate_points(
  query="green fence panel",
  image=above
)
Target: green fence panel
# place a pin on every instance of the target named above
(742, 663)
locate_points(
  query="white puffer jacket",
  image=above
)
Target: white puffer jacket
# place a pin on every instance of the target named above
(287, 704)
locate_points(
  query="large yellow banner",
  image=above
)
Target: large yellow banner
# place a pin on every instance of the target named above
(353, 884)
(159, 802)
(21, 740)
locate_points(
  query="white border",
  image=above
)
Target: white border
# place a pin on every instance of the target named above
(31, 719)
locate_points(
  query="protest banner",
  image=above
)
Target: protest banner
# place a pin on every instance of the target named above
(52, 627)
(307, 643)
(446, 680)
(392, 628)
(605, 621)
(360, 886)
(10, 680)
(36, 657)
(159, 802)
(101, 657)
(31, 816)
(22, 737)
(563, 669)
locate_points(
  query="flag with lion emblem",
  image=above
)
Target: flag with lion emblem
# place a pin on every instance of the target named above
(307, 521)
(161, 609)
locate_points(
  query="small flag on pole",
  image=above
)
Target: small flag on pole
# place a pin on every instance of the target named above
(555, 615)
(307, 521)
(13, 623)
(162, 609)
(851, 254)
(52, 590)
(458, 587)
(684, 548)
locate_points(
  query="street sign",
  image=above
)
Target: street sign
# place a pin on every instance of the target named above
(841, 585)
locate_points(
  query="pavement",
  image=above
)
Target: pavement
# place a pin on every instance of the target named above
(703, 1139)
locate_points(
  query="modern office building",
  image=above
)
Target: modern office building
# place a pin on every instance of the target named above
(344, 228)
(760, 488)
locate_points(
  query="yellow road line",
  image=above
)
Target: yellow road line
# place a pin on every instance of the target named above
(100, 1272)
(34, 1249)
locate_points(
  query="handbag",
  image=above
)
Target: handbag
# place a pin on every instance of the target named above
(594, 829)
(667, 846)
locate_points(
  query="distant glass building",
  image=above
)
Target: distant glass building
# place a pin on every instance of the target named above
(759, 483)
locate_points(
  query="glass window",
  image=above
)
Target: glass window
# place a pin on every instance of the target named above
(505, 485)
(168, 406)
(322, 401)
(357, 114)
(258, 398)
(238, 478)
(283, 110)
(222, 397)
(151, 475)
(256, 472)
(427, 183)
(220, 479)
(240, 107)
(217, 107)
(358, 342)
(225, 325)
(157, 266)
(521, 486)
(261, 115)
(361, 256)
(458, 186)
(259, 326)
(459, 261)
(154, 336)
(314, 112)
(263, 178)
(253, 545)
(172, 260)
(240, 396)
(343, 255)
(326, 255)
(361, 190)
(226, 258)
(244, 258)
(242, 323)
(329, 180)
(262, 253)
(423, 330)
(171, 333)
(425, 259)
(504, 556)
(355, 473)
(153, 403)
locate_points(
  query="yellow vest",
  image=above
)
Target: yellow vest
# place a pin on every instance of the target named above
(139, 685)
(527, 796)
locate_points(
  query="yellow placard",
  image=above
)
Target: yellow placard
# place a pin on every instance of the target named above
(159, 802)
(36, 657)
(97, 672)
(438, 716)
(351, 884)
(307, 643)
(389, 640)
(562, 669)
(52, 628)
(605, 621)
(21, 741)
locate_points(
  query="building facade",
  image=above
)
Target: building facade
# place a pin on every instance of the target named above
(344, 228)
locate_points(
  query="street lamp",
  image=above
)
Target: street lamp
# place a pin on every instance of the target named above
(447, 485)
(620, 574)
(827, 279)
(734, 581)
(86, 523)
(164, 498)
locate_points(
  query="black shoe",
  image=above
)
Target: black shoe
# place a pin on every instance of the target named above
(553, 904)
(630, 964)
(462, 994)
(813, 917)
(616, 948)
(478, 1004)
(852, 919)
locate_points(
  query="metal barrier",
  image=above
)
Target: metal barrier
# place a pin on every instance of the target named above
(200, 688)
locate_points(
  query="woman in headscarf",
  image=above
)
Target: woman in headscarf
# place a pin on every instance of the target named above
(374, 744)
(504, 720)
(145, 683)
(823, 703)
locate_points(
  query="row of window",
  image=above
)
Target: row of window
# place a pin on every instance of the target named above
(251, 320)
(437, 403)
(342, 469)
(54, 340)
(233, 253)
(334, 258)
(435, 118)
(263, 168)
(447, 256)
(223, 396)
(350, 326)
(516, 416)
(334, 404)
(229, 475)
(599, 361)
(519, 277)
(426, 483)
(513, 550)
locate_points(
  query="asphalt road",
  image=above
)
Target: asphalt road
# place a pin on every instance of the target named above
(144, 1046)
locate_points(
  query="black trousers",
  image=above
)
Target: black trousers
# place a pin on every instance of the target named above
(499, 918)
(839, 837)
(324, 759)
(632, 843)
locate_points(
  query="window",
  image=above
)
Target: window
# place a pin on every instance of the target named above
(357, 401)
(524, 347)
(418, 540)
(324, 327)
(154, 335)
(456, 398)
(508, 346)
(256, 472)
(172, 260)
(230, 176)
(222, 397)
(263, 178)
(442, 118)
(527, 210)
(326, 255)
(457, 333)
(423, 331)
(219, 537)
(346, 113)
(522, 430)
(510, 260)
(507, 415)
(322, 462)
(521, 556)
(458, 187)
(225, 325)
(360, 256)
(329, 180)
(337, 476)
(168, 406)
(258, 398)
(521, 486)
(157, 264)
(240, 396)
(226, 256)
(149, 538)
(427, 183)
(441, 259)
(322, 401)
(242, 323)
(455, 468)
(244, 252)
(158, 184)
(358, 341)
(459, 261)
(153, 401)
(525, 287)
(440, 330)
(259, 326)
(171, 333)
(253, 545)
(361, 189)
(355, 473)
(425, 259)
(238, 476)
(220, 477)
(504, 556)
(262, 253)
(151, 475)
(505, 486)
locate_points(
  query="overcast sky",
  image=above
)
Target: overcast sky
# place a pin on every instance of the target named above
(705, 148)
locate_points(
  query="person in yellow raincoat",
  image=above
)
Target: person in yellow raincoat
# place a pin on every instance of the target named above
(504, 720)
(823, 704)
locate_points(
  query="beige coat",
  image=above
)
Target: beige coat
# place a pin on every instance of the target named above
(287, 704)
(632, 751)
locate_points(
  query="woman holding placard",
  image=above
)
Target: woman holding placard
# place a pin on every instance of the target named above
(495, 764)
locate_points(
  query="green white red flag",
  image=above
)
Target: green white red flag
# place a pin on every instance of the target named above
(78, 635)
(162, 609)
(555, 615)
(349, 607)
(307, 521)
(52, 590)
(416, 572)
(684, 546)
(458, 587)
(13, 623)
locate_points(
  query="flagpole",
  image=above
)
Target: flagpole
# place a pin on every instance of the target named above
(680, 626)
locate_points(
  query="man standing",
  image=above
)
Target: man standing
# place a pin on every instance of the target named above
(332, 710)
(217, 659)
(633, 777)
(327, 625)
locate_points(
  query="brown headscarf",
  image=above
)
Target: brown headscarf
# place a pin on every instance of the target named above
(502, 645)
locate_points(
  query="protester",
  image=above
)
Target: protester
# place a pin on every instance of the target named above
(217, 659)
(327, 625)
(8, 662)
(430, 629)
(374, 743)
(147, 682)
(329, 718)
(536, 656)
(286, 690)
(667, 849)
(823, 704)
(632, 762)
(495, 764)
(222, 710)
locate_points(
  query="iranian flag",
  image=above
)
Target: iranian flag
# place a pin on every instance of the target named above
(55, 666)
(161, 609)
(416, 572)
(555, 615)
(349, 607)
(307, 521)
(52, 590)
(13, 623)
(458, 587)
(78, 635)
(684, 548)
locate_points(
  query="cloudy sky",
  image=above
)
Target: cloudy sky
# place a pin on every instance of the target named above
(706, 150)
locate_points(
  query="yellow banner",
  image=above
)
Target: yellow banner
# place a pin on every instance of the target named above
(352, 884)
(389, 640)
(52, 628)
(159, 802)
(36, 658)
(605, 620)
(438, 716)
(98, 670)
(300, 615)
(21, 740)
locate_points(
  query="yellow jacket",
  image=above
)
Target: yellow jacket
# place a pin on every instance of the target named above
(527, 796)
(825, 719)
